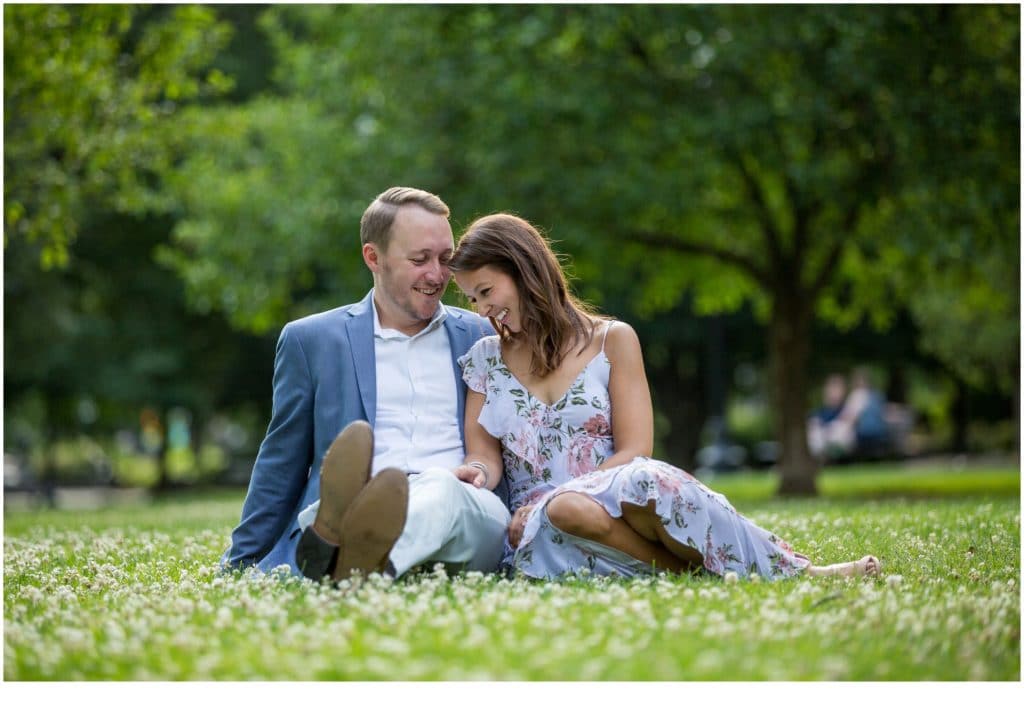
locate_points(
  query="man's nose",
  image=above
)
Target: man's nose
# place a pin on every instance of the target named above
(437, 271)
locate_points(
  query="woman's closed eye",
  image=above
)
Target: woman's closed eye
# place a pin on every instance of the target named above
(483, 293)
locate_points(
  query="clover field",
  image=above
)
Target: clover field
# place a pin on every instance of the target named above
(132, 592)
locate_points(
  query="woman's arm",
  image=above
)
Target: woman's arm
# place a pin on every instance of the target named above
(632, 413)
(481, 448)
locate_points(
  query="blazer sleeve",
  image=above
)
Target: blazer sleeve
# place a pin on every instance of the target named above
(282, 465)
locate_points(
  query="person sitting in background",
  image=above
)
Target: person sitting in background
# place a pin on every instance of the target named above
(864, 409)
(851, 424)
(827, 435)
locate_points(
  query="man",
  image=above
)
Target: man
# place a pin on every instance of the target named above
(396, 495)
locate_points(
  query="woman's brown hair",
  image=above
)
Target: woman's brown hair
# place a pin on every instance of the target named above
(554, 320)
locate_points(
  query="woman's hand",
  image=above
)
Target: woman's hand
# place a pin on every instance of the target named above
(471, 474)
(518, 525)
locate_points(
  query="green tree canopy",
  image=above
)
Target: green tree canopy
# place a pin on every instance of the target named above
(88, 93)
(829, 162)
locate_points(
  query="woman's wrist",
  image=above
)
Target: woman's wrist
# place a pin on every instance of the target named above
(483, 469)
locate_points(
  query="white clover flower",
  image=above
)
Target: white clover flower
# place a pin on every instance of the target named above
(894, 580)
(731, 577)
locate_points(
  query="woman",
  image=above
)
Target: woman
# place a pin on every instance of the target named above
(559, 401)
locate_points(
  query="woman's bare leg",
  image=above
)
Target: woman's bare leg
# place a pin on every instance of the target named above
(867, 566)
(645, 521)
(581, 516)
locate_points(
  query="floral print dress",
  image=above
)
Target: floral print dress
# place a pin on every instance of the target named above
(550, 449)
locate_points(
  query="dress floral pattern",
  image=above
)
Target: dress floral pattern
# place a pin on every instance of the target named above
(550, 449)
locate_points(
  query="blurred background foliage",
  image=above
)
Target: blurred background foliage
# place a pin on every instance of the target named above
(768, 194)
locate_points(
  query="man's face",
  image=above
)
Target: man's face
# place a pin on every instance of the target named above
(412, 274)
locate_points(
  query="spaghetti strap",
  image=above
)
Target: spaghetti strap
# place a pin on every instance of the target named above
(606, 330)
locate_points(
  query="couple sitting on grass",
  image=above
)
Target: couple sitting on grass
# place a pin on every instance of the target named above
(405, 432)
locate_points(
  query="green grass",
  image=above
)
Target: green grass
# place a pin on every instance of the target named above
(132, 593)
(865, 482)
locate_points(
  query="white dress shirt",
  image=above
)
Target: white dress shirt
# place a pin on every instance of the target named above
(417, 426)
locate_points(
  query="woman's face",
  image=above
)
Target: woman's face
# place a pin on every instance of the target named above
(493, 294)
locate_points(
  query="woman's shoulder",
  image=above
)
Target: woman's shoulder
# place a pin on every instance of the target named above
(486, 347)
(620, 340)
(478, 363)
(487, 344)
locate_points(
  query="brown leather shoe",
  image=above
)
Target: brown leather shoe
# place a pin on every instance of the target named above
(344, 473)
(372, 524)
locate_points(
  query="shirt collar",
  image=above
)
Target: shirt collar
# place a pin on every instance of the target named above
(380, 332)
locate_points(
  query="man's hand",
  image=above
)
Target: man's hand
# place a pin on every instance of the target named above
(518, 525)
(473, 475)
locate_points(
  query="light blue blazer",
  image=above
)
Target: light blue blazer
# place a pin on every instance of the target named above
(324, 379)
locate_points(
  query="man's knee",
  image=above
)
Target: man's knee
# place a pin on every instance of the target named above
(579, 515)
(439, 494)
(435, 489)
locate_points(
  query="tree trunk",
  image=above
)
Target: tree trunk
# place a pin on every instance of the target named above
(896, 387)
(682, 403)
(1016, 412)
(961, 417)
(789, 351)
(165, 484)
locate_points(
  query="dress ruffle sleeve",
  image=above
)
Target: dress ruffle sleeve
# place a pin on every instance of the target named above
(481, 373)
(475, 367)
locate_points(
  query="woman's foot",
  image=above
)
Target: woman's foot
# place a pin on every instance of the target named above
(867, 566)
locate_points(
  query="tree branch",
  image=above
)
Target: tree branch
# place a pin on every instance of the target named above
(827, 268)
(835, 253)
(803, 213)
(764, 216)
(747, 265)
(804, 207)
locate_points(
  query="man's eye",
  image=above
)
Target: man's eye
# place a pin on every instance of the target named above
(418, 261)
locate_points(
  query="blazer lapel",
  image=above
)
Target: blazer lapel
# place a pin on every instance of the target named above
(360, 338)
(457, 342)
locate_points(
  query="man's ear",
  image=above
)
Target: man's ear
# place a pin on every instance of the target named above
(371, 256)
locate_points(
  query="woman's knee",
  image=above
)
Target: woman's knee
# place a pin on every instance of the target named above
(579, 515)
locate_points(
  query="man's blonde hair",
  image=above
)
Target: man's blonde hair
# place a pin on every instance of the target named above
(375, 226)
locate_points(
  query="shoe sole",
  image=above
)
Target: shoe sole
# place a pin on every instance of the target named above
(343, 474)
(373, 523)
